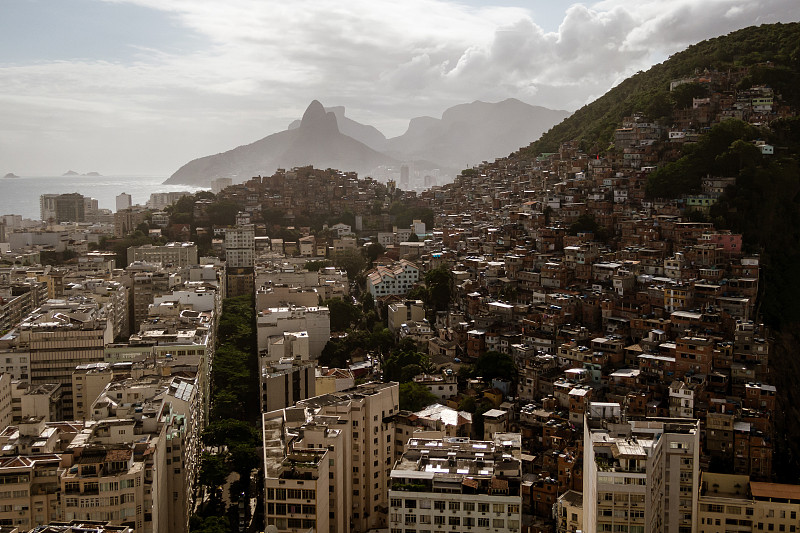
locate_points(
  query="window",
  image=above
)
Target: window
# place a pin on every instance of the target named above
(483, 508)
(469, 506)
(454, 506)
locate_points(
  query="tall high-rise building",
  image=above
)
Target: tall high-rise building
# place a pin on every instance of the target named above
(218, 184)
(61, 335)
(71, 207)
(639, 475)
(47, 207)
(327, 460)
(124, 201)
(404, 175)
(240, 250)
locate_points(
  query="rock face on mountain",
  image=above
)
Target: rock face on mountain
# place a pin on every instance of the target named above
(316, 141)
(465, 135)
(470, 133)
(369, 135)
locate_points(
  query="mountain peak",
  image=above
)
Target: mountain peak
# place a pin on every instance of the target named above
(316, 118)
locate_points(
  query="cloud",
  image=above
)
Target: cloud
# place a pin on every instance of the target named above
(263, 62)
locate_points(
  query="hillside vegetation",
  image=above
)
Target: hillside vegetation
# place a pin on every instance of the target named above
(648, 92)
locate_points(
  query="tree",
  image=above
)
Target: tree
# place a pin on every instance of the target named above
(223, 213)
(367, 302)
(213, 471)
(343, 314)
(374, 251)
(439, 282)
(404, 360)
(414, 396)
(494, 364)
(316, 266)
(209, 524)
(350, 260)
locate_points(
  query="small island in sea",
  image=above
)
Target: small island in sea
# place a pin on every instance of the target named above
(10, 175)
(73, 173)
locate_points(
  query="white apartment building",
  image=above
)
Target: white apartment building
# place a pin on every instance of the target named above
(276, 321)
(178, 254)
(397, 279)
(354, 432)
(639, 475)
(240, 246)
(456, 484)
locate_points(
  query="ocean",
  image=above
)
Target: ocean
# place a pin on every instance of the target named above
(20, 196)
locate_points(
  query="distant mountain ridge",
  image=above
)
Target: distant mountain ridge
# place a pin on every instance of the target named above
(316, 141)
(465, 135)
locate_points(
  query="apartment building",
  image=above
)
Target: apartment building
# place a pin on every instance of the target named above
(148, 281)
(639, 475)
(569, 512)
(177, 254)
(275, 321)
(397, 279)
(354, 430)
(286, 382)
(731, 502)
(61, 335)
(402, 313)
(29, 494)
(136, 462)
(456, 484)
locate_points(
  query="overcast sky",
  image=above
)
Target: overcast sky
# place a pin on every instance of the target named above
(143, 86)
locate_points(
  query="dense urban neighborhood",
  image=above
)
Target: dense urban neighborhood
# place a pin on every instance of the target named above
(556, 341)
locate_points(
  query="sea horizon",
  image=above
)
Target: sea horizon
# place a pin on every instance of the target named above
(20, 196)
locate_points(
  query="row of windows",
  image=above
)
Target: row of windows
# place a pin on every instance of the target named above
(455, 505)
(291, 494)
(497, 523)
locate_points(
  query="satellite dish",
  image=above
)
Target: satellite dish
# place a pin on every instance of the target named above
(271, 529)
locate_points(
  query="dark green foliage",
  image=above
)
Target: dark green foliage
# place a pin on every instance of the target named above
(492, 365)
(405, 362)
(232, 431)
(587, 224)
(343, 314)
(764, 206)
(467, 404)
(439, 283)
(316, 266)
(213, 471)
(722, 152)
(374, 250)
(339, 351)
(351, 261)
(367, 303)
(683, 95)
(648, 92)
(235, 370)
(405, 215)
(209, 524)
(223, 213)
(414, 397)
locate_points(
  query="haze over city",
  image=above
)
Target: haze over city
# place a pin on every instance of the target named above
(143, 86)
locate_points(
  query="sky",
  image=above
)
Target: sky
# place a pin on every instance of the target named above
(144, 86)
